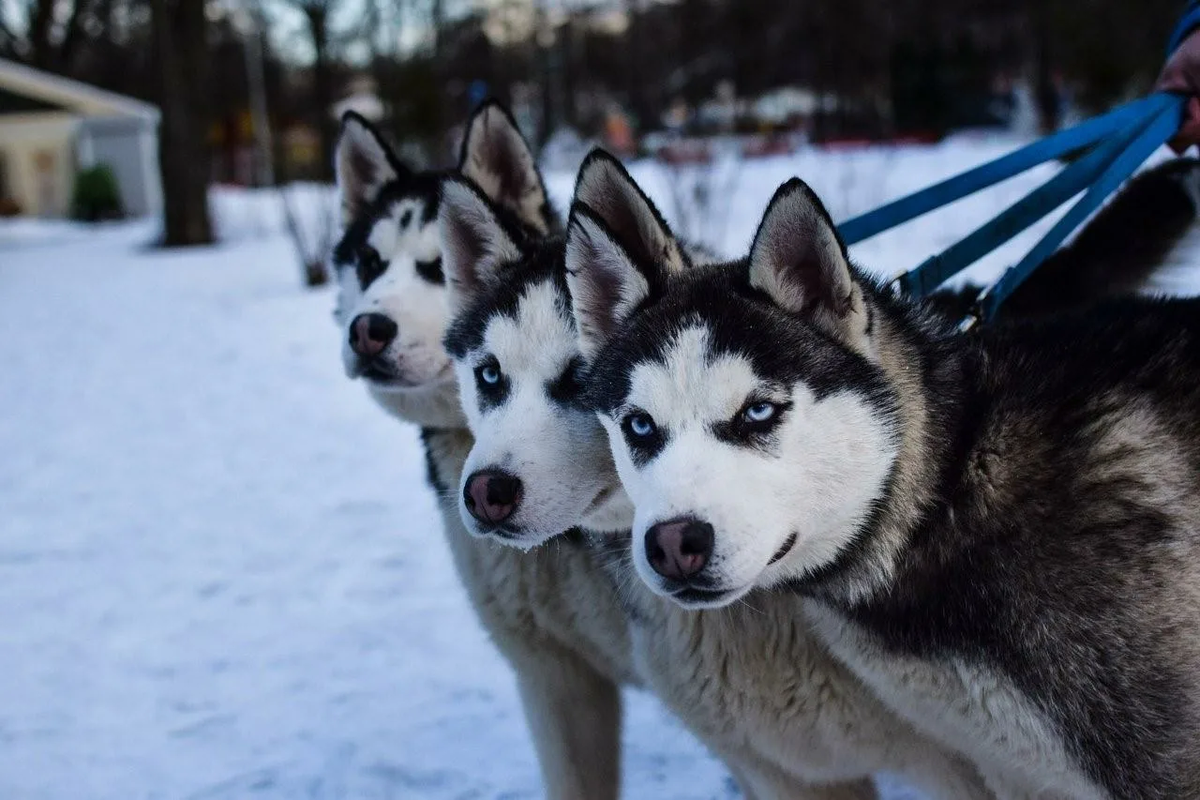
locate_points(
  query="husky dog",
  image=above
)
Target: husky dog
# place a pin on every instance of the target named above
(519, 369)
(998, 533)
(552, 613)
(518, 365)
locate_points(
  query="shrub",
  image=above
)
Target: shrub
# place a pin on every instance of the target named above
(97, 196)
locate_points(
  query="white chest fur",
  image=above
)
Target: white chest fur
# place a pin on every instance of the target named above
(974, 709)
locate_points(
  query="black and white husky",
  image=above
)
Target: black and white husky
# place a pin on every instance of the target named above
(535, 471)
(551, 613)
(998, 533)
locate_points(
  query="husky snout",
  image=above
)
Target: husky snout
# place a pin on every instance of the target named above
(371, 333)
(680, 548)
(492, 496)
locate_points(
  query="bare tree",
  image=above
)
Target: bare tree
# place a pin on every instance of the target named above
(700, 193)
(313, 235)
(180, 34)
(317, 18)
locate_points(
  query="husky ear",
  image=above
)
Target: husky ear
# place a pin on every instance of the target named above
(605, 187)
(475, 244)
(605, 284)
(364, 163)
(799, 261)
(497, 158)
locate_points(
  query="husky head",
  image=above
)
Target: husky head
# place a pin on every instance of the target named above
(540, 463)
(514, 342)
(392, 307)
(747, 415)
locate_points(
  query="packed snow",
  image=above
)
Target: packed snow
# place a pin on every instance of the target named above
(221, 571)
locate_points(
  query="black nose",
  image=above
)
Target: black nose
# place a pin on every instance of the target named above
(679, 549)
(370, 333)
(492, 496)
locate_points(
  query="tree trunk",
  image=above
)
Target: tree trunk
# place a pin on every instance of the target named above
(1045, 90)
(318, 25)
(41, 17)
(180, 28)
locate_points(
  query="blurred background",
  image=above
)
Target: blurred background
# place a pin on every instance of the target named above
(250, 92)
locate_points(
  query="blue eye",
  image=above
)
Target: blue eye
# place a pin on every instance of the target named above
(489, 374)
(760, 412)
(641, 425)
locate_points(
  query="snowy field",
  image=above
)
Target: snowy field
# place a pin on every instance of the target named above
(221, 573)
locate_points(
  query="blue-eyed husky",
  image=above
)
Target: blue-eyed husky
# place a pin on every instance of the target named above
(552, 614)
(998, 533)
(535, 471)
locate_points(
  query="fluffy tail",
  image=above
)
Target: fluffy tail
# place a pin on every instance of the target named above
(1115, 254)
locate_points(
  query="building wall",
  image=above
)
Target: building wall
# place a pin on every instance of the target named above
(39, 160)
(130, 148)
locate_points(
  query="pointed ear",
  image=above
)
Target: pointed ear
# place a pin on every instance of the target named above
(606, 286)
(799, 261)
(605, 187)
(475, 244)
(364, 163)
(497, 158)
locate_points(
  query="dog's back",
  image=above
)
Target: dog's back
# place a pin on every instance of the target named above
(1060, 562)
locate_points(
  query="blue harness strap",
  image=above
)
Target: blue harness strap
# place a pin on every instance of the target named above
(907, 208)
(1189, 20)
(1117, 143)
(1159, 129)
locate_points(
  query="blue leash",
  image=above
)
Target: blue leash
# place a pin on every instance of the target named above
(1119, 141)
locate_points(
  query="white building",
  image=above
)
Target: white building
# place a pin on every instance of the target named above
(50, 127)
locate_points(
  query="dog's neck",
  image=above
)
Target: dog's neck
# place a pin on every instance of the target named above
(931, 369)
(434, 406)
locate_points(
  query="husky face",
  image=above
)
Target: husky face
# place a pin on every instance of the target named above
(748, 420)
(392, 306)
(540, 463)
(392, 296)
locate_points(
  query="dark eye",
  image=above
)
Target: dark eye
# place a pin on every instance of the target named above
(758, 413)
(370, 266)
(641, 425)
(568, 386)
(406, 218)
(431, 270)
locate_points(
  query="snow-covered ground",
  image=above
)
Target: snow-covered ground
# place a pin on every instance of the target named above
(221, 572)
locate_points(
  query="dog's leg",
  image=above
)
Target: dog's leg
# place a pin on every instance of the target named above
(574, 715)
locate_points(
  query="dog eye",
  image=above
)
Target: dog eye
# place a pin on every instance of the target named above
(488, 374)
(431, 271)
(641, 425)
(370, 266)
(760, 412)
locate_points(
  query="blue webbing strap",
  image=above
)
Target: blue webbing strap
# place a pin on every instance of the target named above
(1159, 129)
(1119, 142)
(941, 194)
(1191, 18)
(925, 278)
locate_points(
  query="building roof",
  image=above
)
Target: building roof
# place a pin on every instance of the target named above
(82, 98)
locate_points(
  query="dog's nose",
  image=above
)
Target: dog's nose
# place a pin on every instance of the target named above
(492, 496)
(370, 333)
(680, 548)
